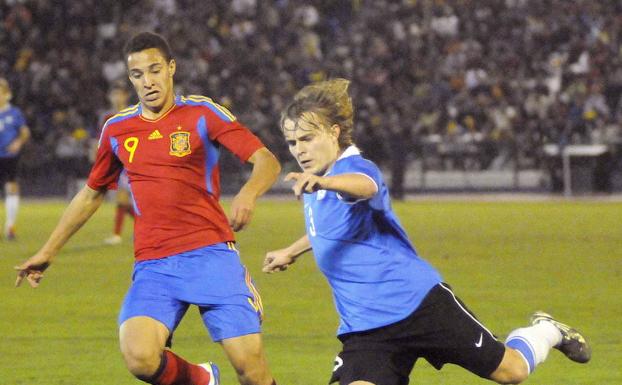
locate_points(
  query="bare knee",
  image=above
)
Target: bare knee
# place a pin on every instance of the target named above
(512, 370)
(142, 343)
(140, 361)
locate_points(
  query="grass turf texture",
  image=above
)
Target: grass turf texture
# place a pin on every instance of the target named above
(504, 260)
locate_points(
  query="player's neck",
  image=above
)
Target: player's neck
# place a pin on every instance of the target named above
(150, 114)
(5, 107)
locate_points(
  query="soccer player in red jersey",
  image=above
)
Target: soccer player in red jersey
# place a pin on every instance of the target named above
(184, 250)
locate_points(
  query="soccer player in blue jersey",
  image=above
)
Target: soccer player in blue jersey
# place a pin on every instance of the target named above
(14, 133)
(393, 306)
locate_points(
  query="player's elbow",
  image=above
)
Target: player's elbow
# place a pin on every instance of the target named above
(367, 190)
(268, 161)
(368, 193)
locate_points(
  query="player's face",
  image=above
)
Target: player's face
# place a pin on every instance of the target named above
(152, 78)
(313, 144)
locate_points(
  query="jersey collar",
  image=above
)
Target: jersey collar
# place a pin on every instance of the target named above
(351, 150)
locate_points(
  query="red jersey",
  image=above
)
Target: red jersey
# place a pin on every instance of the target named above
(172, 165)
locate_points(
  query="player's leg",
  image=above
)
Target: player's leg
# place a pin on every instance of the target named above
(529, 346)
(443, 330)
(123, 209)
(512, 370)
(375, 356)
(231, 308)
(247, 356)
(476, 349)
(151, 311)
(11, 199)
(143, 340)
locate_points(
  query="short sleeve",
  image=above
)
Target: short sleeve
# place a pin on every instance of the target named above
(107, 167)
(234, 136)
(359, 165)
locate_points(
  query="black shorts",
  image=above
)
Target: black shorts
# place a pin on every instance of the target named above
(8, 169)
(442, 330)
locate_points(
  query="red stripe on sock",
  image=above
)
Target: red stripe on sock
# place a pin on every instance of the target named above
(180, 372)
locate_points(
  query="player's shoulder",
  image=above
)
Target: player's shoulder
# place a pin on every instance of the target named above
(201, 101)
(352, 158)
(123, 115)
(14, 110)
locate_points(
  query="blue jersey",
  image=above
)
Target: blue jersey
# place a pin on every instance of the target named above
(11, 120)
(375, 273)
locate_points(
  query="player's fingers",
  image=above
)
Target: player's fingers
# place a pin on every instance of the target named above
(301, 187)
(291, 176)
(20, 277)
(235, 225)
(34, 279)
(271, 266)
(311, 186)
(296, 189)
(242, 218)
(268, 260)
(234, 219)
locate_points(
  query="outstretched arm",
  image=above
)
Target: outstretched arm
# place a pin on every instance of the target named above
(81, 208)
(279, 260)
(266, 169)
(357, 186)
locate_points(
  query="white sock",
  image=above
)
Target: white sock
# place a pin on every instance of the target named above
(534, 342)
(11, 204)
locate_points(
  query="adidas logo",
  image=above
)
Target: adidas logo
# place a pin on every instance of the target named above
(155, 135)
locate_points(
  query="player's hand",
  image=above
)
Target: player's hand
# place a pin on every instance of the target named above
(242, 208)
(32, 270)
(277, 260)
(14, 147)
(304, 182)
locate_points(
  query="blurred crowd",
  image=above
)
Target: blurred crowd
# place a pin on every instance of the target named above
(473, 84)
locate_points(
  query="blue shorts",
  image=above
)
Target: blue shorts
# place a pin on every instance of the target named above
(212, 278)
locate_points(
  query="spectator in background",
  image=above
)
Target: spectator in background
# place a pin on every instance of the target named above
(118, 97)
(14, 133)
(543, 54)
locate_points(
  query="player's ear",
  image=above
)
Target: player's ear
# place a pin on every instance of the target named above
(335, 130)
(172, 66)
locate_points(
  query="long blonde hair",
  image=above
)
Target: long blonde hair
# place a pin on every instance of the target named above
(329, 99)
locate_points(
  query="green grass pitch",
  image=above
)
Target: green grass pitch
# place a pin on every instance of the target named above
(503, 259)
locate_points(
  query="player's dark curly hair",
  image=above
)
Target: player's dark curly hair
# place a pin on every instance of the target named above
(146, 40)
(329, 100)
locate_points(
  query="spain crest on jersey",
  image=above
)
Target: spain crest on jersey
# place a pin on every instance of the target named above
(180, 143)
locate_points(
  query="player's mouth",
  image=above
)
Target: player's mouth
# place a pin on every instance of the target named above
(305, 163)
(152, 95)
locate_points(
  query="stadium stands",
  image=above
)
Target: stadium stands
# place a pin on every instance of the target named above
(457, 85)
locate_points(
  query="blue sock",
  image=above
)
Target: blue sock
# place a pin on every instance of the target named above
(524, 348)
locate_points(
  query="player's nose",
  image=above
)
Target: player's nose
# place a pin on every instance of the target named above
(147, 81)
